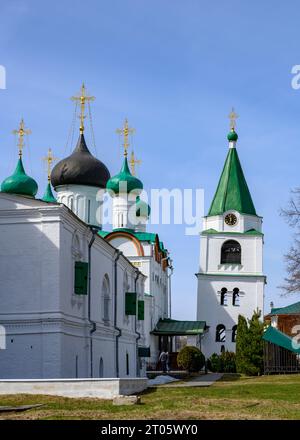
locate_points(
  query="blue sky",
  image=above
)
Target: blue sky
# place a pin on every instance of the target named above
(175, 69)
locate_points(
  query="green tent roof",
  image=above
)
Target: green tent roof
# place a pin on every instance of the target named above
(232, 191)
(292, 309)
(278, 338)
(179, 328)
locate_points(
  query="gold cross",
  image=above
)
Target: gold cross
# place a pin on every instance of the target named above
(125, 131)
(82, 98)
(49, 159)
(21, 133)
(233, 117)
(133, 162)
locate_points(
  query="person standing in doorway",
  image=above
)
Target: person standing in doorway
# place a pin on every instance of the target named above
(163, 359)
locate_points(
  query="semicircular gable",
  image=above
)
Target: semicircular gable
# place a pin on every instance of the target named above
(126, 242)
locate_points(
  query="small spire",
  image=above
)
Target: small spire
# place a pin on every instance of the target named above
(49, 159)
(125, 131)
(82, 98)
(233, 117)
(48, 196)
(133, 162)
(21, 132)
(232, 135)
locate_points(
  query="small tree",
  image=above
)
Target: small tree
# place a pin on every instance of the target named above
(249, 345)
(190, 358)
(242, 336)
(255, 349)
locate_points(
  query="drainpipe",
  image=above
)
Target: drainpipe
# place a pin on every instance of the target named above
(138, 337)
(92, 323)
(170, 296)
(117, 256)
(170, 291)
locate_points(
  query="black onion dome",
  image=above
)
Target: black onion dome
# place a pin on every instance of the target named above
(80, 168)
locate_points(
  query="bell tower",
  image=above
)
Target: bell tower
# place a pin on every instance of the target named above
(230, 278)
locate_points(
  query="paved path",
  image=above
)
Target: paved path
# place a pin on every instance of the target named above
(205, 380)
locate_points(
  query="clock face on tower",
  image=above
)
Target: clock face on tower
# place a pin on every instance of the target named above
(230, 219)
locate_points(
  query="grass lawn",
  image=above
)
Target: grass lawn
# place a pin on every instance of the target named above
(267, 397)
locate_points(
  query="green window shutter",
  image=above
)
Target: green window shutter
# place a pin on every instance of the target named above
(130, 303)
(141, 310)
(144, 352)
(81, 278)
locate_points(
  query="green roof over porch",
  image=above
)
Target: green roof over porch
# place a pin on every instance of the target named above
(292, 309)
(171, 327)
(276, 337)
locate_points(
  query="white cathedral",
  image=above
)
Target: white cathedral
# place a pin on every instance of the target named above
(78, 301)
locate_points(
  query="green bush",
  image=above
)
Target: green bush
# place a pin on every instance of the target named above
(190, 358)
(228, 362)
(223, 363)
(214, 363)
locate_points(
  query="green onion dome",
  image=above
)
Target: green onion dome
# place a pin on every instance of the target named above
(124, 181)
(232, 136)
(48, 196)
(19, 182)
(142, 208)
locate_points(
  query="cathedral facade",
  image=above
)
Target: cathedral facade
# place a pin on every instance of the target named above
(76, 301)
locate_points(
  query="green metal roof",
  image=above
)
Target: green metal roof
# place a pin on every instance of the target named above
(232, 192)
(103, 234)
(141, 236)
(214, 232)
(179, 328)
(142, 208)
(276, 337)
(19, 182)
(292, 309)
(124, 181)
(48, 196)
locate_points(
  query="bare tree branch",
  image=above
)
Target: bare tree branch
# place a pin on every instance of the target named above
(292, 258)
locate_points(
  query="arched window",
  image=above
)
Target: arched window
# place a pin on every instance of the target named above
(235, 297)
(101, 368)
(231, 252)
(223, 297)
(76, 366)
(220, 333)
(126, 288)
(76, 251)
(106, 298)
(89, 211)
(121, 220)
(127, 364)
(125, 282)
(233, 337)
(222, 348)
